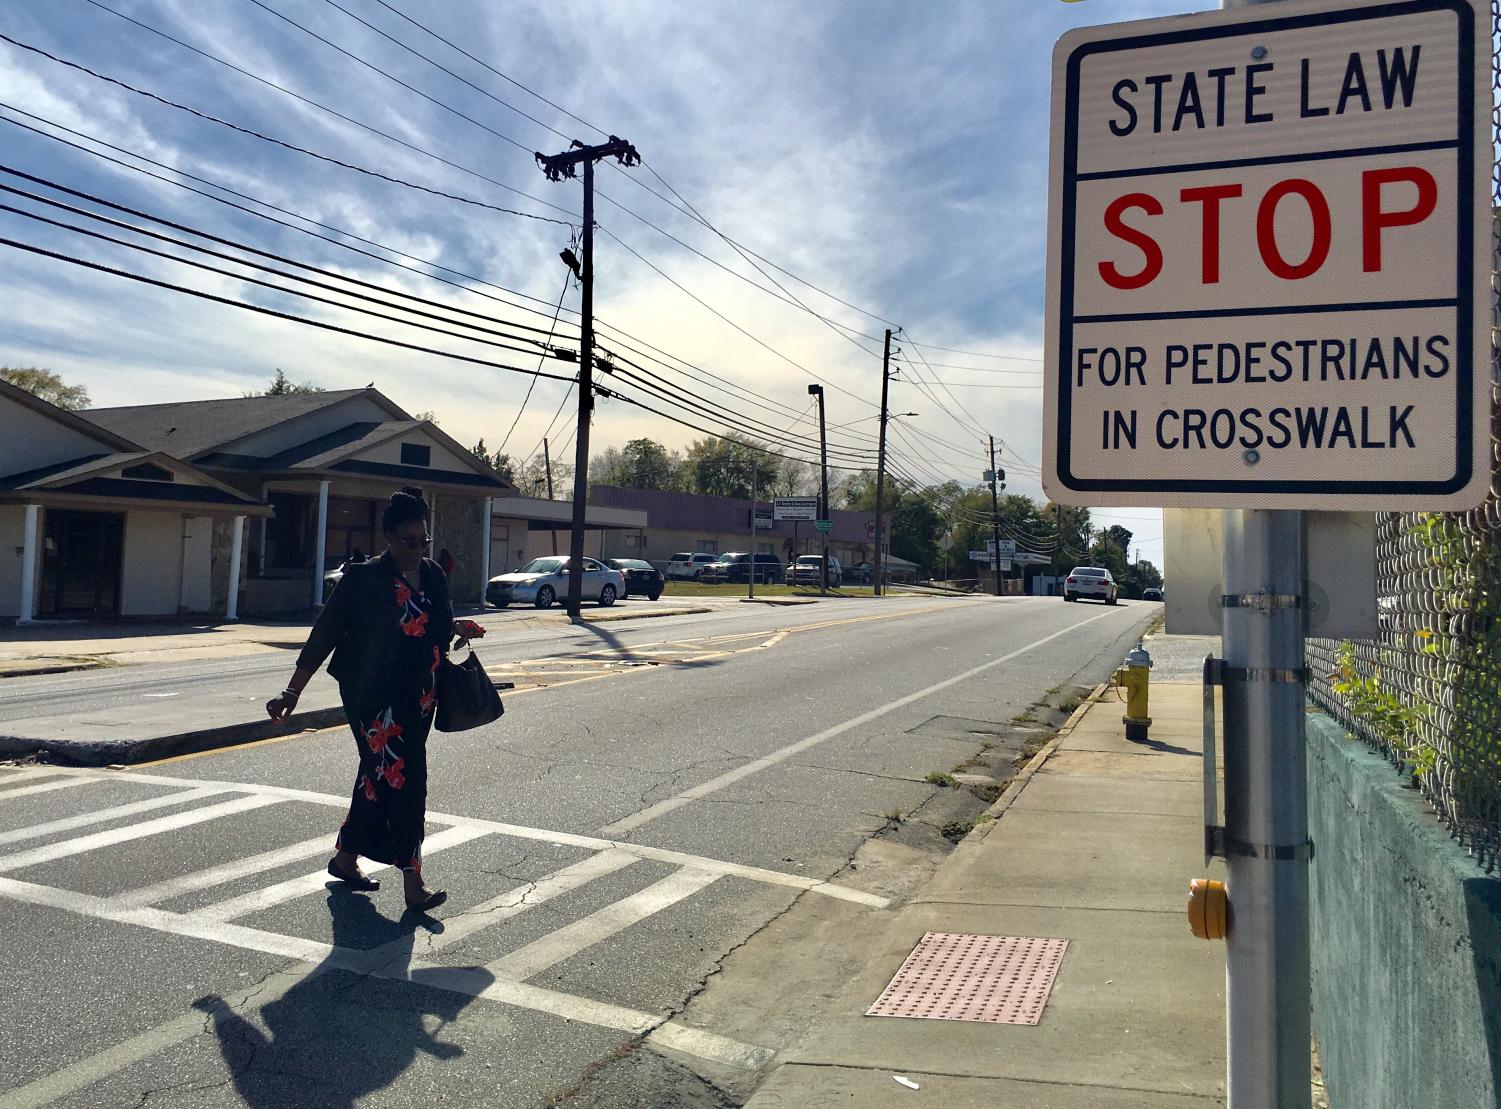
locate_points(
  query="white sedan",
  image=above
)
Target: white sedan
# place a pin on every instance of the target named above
(543, 581)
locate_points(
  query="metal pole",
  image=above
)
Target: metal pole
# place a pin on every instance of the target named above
(1266, 811)
(881, 459)
(995, 519)
(586, 402)
(547, 467)
(751, 577)
(236, 548)
(823, 453)
(1268, 982)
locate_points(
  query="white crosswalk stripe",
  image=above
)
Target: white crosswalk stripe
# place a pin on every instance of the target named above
(118, 812)
(49, 852)
(569, 940)
(503, 981)
(293, 888)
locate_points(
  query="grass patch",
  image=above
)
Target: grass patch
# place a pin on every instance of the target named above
(896, 816)
(955, 830)
(940, 779)
(1070, 705)
(989, 792)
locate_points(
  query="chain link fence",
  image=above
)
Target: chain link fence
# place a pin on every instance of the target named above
(1427, 692)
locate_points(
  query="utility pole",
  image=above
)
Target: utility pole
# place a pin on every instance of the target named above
(823, 452)
(547, 466)
(881, 464)
(556, 167)
(995, 518)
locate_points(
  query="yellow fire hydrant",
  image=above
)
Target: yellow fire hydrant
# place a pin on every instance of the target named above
(1133, 678)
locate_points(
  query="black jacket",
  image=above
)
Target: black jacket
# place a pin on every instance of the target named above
(356, 626)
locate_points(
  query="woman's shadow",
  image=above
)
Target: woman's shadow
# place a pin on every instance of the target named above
(335, 1036)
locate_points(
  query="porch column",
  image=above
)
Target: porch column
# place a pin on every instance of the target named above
(486, 529)
(232, 607)
(28, 566)
(322, 544)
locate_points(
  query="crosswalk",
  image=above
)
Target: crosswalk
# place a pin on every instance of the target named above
(238, 888)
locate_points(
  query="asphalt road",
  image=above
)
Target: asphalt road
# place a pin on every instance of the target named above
(171, 941)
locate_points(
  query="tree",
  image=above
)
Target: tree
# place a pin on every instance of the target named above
(47, 385)
(502, 464)
(916, 516)
(283, 386)
(723, 467)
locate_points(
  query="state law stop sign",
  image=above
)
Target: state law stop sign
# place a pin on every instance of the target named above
(1269, 259)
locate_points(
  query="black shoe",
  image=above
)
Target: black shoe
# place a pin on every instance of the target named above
(354, 881)
(429, 903)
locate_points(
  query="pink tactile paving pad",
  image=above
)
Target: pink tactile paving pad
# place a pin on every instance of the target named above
(960, 976)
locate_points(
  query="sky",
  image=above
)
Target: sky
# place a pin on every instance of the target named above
(891, 156)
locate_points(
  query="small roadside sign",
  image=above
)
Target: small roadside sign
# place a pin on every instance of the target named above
(979, 556)
(824, 526)
(764, 518)
(1269, 258)
(795, 508)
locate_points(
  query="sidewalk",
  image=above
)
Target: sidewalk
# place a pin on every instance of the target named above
(1096, 847)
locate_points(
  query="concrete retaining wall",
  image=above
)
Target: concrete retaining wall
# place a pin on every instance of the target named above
(1406, 941)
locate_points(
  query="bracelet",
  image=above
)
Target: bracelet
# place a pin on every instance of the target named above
(292, 693)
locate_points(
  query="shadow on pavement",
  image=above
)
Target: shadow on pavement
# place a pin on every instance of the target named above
(333, 1038)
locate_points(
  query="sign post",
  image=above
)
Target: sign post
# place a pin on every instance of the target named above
(1269, 256)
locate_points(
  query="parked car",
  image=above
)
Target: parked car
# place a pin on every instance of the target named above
(808, 570)
(642, 579)
(689, 566)
(543, 581)
(862, 574)
(1090, 581)
(736, 567)
(1151, 594)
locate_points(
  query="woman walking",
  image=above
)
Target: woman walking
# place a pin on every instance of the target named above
(387, 624)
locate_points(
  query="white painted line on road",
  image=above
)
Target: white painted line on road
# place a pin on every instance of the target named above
(628, 824)
(83, 820)
(569, 940)
(709, 1045)
(42, 787)
(293, 888)
(9, 775)
(50, 852)
(516, 901)
(229, 872)
(521, 831)
(314, 957)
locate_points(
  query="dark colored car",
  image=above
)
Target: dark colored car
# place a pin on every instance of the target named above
(642, 579)
(736, 567)
(1151, 594)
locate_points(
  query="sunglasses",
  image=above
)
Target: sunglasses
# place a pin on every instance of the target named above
(412, 543)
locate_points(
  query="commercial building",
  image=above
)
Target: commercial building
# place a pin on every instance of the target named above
(694, 522)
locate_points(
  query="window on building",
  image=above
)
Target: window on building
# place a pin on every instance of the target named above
(289, 533)
(632, 542)
(416, 454)
(500, 533)
(705, 546)
(148, 471)
(766, 549)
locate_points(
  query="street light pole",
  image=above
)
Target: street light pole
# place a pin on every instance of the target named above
(823, 453)
(995, 519)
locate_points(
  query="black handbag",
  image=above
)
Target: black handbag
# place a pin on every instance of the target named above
(466, 696)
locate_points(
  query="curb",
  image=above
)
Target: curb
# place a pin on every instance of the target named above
(110, 752)
(54, 668)
(992, 815)
(780, 601)
(613, 617)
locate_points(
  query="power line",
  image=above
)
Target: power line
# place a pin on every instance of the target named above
(526, 399)
(742, 395)
(262, 310)
(293, 146)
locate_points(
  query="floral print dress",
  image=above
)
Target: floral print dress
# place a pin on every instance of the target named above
(387, 816)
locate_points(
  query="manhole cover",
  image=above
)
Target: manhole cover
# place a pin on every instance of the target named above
(961, 976)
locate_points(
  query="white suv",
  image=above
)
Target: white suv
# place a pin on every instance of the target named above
(1090, 581)
(689, 567)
